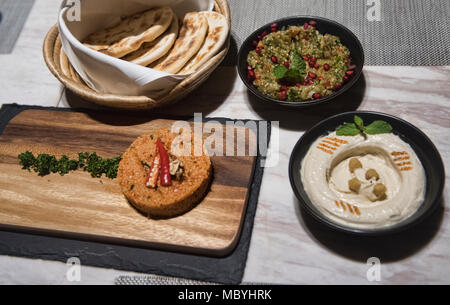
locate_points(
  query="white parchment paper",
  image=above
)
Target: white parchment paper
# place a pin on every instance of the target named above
(107, 74)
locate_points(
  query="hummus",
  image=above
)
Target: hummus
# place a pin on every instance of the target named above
(363, 182)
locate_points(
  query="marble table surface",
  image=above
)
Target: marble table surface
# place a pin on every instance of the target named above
(287, 245)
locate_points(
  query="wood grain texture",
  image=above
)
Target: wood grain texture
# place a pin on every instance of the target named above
(79, 206)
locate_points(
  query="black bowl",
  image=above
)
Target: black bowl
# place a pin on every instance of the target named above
(420, 143)
(323, 26)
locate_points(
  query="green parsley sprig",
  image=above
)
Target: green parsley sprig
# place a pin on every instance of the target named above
(44, 164)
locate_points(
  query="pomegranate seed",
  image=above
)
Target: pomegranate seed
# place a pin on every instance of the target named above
(327, 84)
(287, 64)
(312, 23)
(306, 26)
(260, 37)
(312, 75)
(284, 88)
(313, 59)
(320, 78)
(298, 85)
(345, 79)
(316, 96)
(254, 43)
(311, 64)
(326, 67)
(310, 82)
(305, 37)
(349, 72)
(264, 34)
(337, 87)
(258, 50)
(274, 59)
(282, 95)
(251, 75)
(305, 57)
(316, 66)
(352, 67)
(273, 27)
(249, 67)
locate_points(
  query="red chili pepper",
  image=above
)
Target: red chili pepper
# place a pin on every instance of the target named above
(166, 180)
(152, 176)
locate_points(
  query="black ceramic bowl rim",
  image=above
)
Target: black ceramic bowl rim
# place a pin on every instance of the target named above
(324, 99)
(395, 228)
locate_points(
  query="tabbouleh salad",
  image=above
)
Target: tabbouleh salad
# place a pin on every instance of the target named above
(297, 63)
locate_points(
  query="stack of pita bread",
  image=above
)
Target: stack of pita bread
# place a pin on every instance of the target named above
(157, 39)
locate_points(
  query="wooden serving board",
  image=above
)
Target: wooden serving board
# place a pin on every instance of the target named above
(79, 206)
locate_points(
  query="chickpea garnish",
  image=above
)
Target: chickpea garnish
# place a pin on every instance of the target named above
(379, 190)
(371, 173)
(354, 164)
(354, 185)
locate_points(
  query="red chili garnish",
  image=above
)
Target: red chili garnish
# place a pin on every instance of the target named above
(166, 180)
(152, 175)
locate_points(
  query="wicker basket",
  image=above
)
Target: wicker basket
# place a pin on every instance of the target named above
(52, 49)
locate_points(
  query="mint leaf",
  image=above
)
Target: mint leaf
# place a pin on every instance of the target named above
(378, 127)
(280, 71)
(297, 62)
(348, 129)
(359, 122)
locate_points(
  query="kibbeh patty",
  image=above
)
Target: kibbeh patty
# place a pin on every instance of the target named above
(189, 181)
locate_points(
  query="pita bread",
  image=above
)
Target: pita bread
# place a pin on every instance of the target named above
(192, 35)
(151, 51)
(130, 33)
(218, 29)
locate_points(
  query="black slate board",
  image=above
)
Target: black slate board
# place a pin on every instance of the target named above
(226, 270)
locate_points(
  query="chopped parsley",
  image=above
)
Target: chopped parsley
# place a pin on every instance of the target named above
(45, 164)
